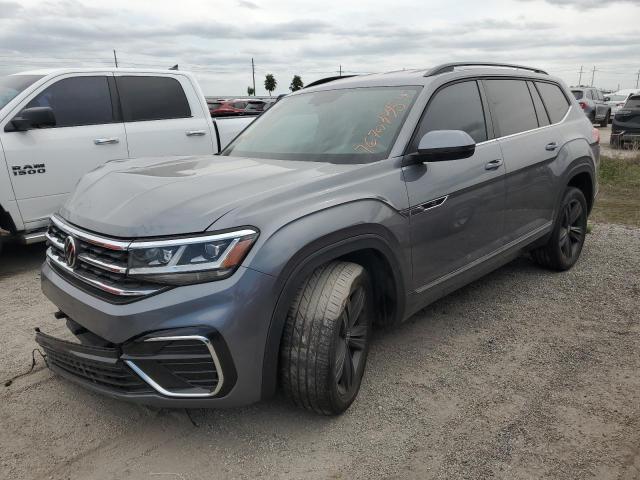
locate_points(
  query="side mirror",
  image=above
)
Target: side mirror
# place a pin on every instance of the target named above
(607, 99)
(30, 118)
(442, 145)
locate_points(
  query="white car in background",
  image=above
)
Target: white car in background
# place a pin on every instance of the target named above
(57, 125)
(616, 99)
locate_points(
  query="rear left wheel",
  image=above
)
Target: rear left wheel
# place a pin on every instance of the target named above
(567, 238)
(605, 120)
(326, 338)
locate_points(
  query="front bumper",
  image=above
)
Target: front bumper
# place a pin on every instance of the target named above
(231, 315)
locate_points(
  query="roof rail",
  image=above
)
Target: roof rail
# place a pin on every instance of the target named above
(448, 67)
(327, 80)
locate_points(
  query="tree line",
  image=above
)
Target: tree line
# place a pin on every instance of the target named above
(270, 84)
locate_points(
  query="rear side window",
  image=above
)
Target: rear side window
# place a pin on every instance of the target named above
(578, 94)
(511, 106)
(152, 98)
(555, 101)
(543, 118)
(77, 101)
(456, 107)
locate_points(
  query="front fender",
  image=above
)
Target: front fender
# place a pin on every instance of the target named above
(295, 250)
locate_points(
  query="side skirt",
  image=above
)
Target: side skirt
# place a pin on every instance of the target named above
(429, 293)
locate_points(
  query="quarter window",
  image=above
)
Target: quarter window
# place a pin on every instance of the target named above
(511, 106)
(456, 107)
(152, 98)
(555, 101)
(77, 101)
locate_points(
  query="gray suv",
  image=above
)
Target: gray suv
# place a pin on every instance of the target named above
(593, 104)
(215, 280)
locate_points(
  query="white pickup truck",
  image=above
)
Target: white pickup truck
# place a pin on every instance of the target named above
(56, 125)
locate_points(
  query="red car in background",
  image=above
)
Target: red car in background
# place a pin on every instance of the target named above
(226, 108)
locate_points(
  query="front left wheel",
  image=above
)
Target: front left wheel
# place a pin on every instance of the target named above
(326, 338)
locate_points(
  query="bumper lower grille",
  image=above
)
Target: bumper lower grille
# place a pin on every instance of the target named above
(96, 262)
(82, 362)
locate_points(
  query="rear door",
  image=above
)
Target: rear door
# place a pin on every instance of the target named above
(163, 116)
(456, 207)
(46, 163)
(529, 144)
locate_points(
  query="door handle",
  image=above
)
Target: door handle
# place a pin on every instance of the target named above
(106, 141)
(493, 164)
(551, 146)
(195, 133)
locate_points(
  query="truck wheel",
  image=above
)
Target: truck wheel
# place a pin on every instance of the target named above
(326, 338)
(592, 117)
(605, 120)
(563, 248)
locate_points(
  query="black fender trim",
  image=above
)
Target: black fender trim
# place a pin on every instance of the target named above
(305, 261)
(580, 165)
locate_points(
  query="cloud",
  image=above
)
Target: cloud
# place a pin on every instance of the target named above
(588, 4)
(9, 9)
(247, 4)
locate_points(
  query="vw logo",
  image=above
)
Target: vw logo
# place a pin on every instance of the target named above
(70, 251)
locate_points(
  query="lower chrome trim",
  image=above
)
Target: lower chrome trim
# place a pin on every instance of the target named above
(537, 232)
(158, 388)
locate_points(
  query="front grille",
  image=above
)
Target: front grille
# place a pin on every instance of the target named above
(101, 263)
(114, 376)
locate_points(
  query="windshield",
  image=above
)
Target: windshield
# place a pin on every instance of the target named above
(633, 102)
(616, 98)
(356, 125)
(12, 85)
(577, 93)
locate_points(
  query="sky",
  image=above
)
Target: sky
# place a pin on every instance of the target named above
(217, 39)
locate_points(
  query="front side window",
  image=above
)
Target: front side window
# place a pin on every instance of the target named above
(355, 125)
(511, 106)
(555, 101)
(152, 98)
(12, 85)
(455, 107)
(77, 101)
(578, 94)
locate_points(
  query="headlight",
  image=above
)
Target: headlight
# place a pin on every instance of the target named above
(181, 261)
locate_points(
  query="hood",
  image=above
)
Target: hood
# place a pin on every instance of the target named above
(170, 196)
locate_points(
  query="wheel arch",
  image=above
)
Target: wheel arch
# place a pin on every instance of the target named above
(361, 244)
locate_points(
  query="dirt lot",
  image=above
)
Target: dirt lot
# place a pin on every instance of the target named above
(523, 374)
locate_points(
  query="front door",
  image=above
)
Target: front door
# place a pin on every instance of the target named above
(46, 163)
(457, 206)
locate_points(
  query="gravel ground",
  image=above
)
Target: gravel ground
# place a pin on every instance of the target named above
(606, 149)
(523, 374)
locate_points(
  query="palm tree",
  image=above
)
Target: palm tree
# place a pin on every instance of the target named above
(270, 83)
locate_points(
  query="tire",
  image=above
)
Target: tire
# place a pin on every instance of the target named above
(592, 117)
(326, 338)
(605, 120)
(567, 238)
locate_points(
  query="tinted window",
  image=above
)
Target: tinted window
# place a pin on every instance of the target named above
(456, 107)
(511, 106)
(356, 125)
(77, 101)
(633, 102)
(152, 98)
(239, 104)
(577, 93)
(543, 118)
(12, 85)
(555, 101)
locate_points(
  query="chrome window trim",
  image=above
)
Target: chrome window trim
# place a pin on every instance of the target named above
(89, 237)
(158, 388)
(96, 283)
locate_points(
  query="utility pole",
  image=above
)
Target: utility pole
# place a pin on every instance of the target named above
(340, 70)
(115, 58)
(637, 78)
(593, 74)
(580, 77)
(253, 74)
